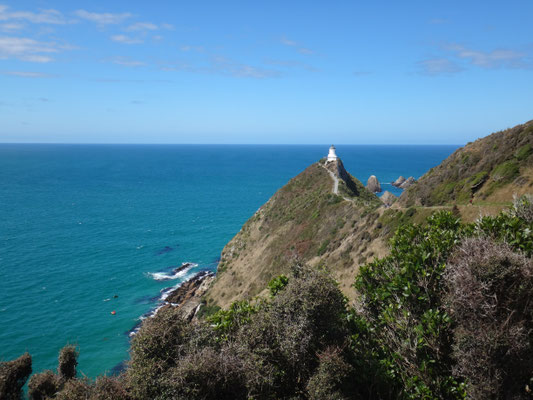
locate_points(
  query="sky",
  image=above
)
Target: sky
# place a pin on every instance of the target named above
(287, 72)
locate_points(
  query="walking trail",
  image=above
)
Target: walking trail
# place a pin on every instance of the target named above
(335, 181)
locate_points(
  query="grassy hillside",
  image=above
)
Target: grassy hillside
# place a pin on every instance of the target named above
(305, 220)
(489, 170)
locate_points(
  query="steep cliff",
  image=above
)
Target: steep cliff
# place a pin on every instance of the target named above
(323, 216)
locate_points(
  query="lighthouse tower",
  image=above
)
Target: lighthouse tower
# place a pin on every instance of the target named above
(331, 155)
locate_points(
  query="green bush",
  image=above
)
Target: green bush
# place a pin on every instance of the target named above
(505, 172)
(523, 152)
(401, 300)
(277, 284)
(404, 317)
(226, 322)
(323, 247)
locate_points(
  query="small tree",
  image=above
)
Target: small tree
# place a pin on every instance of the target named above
(43, 385)
(13, 376)
(68, 360)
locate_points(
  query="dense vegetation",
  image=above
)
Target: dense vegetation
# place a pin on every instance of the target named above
(487, 170)
(447, 315)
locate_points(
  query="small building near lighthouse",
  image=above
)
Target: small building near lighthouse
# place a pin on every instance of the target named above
(331, 155)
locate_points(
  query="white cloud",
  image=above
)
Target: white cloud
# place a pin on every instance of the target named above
(290, 64)
(291, 43)
(127, 62)
(26, 74)
(11, 27)
(498, 58)
(142, 26)
(125, 39)
(102, 18)
(305, 50)
(223, 66)
(288, 42)
(27, 49)
(439, 66)
(42, 17)
(198, 49)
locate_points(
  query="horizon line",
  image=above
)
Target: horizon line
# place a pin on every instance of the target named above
(227, 144)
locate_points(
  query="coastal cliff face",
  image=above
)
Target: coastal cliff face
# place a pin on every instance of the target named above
(488, 171)
(304, 220)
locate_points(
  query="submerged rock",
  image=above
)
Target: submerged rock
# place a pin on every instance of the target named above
(373, 184)
(388, 198)
(182, 267)
(398, 182)
(409, 182)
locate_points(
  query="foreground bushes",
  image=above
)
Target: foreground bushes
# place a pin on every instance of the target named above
(447, 315)
(13, 376)
(267, 350)
(489, 296)
(415, 322)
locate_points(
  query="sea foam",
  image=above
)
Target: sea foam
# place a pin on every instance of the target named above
(179, 272)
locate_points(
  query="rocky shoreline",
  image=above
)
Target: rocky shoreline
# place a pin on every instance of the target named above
(187, 296)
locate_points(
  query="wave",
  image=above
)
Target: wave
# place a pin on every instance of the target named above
(176, 273)
(164, 293)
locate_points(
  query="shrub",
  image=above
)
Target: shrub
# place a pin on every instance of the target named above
(523, 208)
(13, 376)
(43, 385)
(489, 295)
(208, 374)
(75, 389)
(284, 337)
(403, 318)
(68, 360)
(277, 284)
(154, 349)
(226, 322)
(505, 172)
(523, 152)
(331, 379)
(401, 302)
(108, 388)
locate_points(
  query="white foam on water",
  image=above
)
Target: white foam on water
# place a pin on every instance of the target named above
(164, 295)
(167, 276)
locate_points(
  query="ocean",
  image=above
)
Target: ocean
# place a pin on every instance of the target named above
(89, 229)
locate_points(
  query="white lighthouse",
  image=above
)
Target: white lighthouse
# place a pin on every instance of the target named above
(331, 155)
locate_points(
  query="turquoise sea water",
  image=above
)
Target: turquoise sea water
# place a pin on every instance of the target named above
(81, 224)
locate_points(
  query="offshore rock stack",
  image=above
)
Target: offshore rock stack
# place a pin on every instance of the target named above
(373, 184)
(403, 183)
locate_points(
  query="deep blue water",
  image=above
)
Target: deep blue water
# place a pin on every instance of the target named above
(80, 224)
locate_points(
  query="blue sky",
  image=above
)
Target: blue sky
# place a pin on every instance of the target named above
(302, 72)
